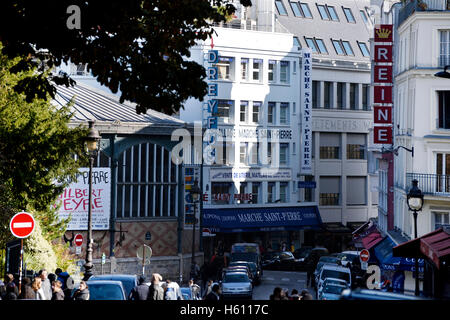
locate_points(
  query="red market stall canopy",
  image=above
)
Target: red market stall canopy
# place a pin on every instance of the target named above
(434, 245)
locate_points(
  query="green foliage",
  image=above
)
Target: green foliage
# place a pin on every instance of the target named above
(135, 46)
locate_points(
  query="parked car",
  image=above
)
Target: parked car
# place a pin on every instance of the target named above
(349, 258)
(332, 259)
(313, 256)
(256, 274)
(245, 269)
(366, 294)
(284, 261)
(129, 281)
(332, 289)
(269, 259)
(236, 285)
(302, 252)
(333, 271)
(104, 290)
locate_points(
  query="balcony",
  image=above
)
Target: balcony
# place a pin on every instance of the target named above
(411, 6)
(430, 184)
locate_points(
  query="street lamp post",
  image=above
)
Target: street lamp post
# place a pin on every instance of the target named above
(91, 142)
(443, 74)
(195, 194)
(415, 203)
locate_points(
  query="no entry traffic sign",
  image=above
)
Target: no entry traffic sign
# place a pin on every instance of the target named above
(78, 239)
(22, 225)
(364, 255)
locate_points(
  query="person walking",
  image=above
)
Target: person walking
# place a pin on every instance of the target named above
(58, 293)
(195, 290)
(11, 291)
(305, 295)
(173, 291)
(208, 288)
(294, 295)
(214, 295)
(46, 284)
(27, 292)
(139, 292)
(37, 288)
(155, 292)
(10, 279)
(82, 293)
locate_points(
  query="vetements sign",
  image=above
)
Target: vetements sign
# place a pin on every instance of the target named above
(22, 225)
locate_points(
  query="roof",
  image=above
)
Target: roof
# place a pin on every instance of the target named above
(434, 245)
(94, 104)
(328, 29)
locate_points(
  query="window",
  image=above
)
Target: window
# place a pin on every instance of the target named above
(270, 192)
(349, 15)
(312, 45)
(440, 219)
(242, 192)
(363, 48)
(244, 69)
(284, 71)
(79, 70)
(271, 107)
(280, 7)
(297, 42)
(220, 192)
(330, 145)
(348, 48)
(227, 153)
(254, 155)
(224, 110)
(224, 67)
(269, 153)
(356, 191)
(256, 187)
(284, 154)
(444, 109)
(243, 153)
(284, 113)
(329, 191)
(257, 69)
(353, 96)
(328, 94)
(321, 45)
(444, 55)
(305, 9)
(284, 192)
(315, 94)
(309, 192)
(256, 110)
(356, 144)
(323, 12)
(365, 97)
(333, 13)
(338, 47)
(364, 17)
(243, 111)
(340, 95)
(296, 9)
(272, 70)
(443, 172)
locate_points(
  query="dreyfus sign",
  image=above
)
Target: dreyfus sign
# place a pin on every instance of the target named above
(210, 107)
(383, 82)
(74, 201)
(306, 114)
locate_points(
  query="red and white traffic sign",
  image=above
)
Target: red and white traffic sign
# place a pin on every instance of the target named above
(22, 225)
(78, 239)
(364, 255)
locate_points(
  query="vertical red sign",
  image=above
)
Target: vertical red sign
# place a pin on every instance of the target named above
(382, 135)
(383, 33)
(382, 94)
(382, 74)
(382, 114)
(383, 53)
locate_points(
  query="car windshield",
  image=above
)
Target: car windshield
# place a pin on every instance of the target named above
(128, 283)
(102, 291)
(335, 274)
(303, 253)
(244, 256)
(325, 259)
(334, 289)
(236, 277)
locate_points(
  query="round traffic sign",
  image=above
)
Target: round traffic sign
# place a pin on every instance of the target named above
(144, 253)
(364, 255)
(22, 225)
(78, 239)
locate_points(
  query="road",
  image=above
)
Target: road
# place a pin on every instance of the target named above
(284, 279)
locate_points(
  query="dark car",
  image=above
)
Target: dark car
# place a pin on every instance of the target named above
(104, 290)
(302, 252)
(129, 281)
(268, 259)
(284, 261)
(312, 257)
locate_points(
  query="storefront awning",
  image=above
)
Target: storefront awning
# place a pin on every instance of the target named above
(434, 245)
(371, 240)
(384, 253)
(261, 219)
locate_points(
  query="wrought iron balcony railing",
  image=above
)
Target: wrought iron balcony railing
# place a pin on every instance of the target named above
(431, 184)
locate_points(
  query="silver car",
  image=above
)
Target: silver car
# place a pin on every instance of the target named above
(236, 285)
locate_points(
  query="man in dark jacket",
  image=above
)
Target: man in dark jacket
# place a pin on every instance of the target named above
(139, 292)
(27, 292)
(82, 293)
(214, 295)
(58, 293)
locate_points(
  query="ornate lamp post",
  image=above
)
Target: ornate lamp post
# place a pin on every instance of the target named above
(92, 145)
(443, 74)
(415, 203)
(195, 194)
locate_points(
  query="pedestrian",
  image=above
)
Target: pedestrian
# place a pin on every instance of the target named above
(276, 295)
(305, 295)
(215, 293)
(139, 292)
(294, 295)
(11, 291)
(195, 271)
(173, 291)
(310, 268)
(46, 284)
(27, 292)
(155, 292)
(58, 293)
(82, 293)
(195, 290)
(37, 288)
(208, 288)
(10, 279)
(64, 278)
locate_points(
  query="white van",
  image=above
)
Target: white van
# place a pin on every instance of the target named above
(334, 271)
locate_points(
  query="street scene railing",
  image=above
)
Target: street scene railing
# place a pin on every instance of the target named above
(432, 184)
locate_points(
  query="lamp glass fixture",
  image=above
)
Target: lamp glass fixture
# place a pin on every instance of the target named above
(415, 203)
(91, 145)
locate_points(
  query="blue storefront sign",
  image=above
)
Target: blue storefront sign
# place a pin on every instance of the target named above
(262, 219)
(383, 252)
(307, 184)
